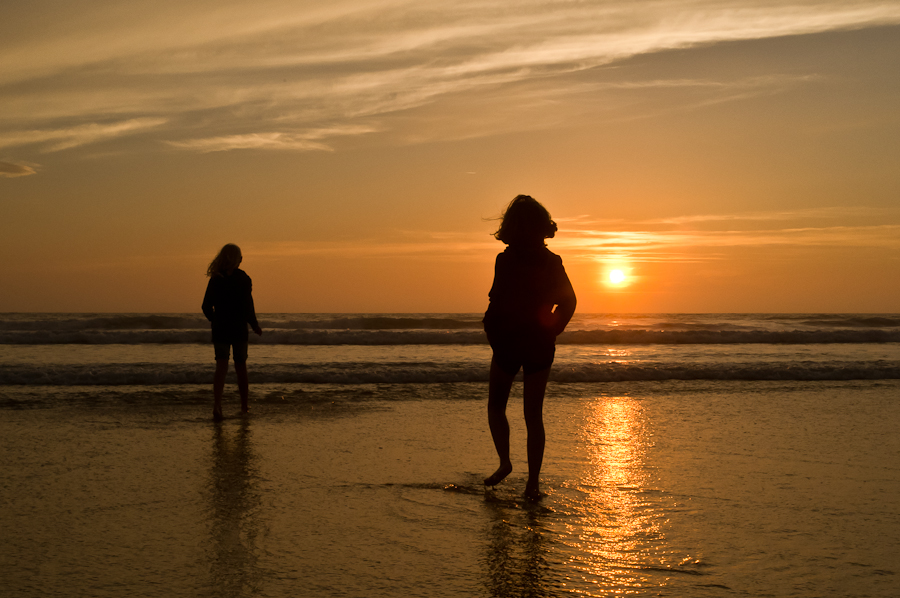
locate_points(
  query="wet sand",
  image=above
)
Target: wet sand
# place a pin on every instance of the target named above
(703, 488)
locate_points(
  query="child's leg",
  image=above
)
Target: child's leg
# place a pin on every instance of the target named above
(219, 387)
(533, 400)
(498, 395)
(240, 369)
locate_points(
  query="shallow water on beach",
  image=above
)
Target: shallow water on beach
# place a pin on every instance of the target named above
(673, 488)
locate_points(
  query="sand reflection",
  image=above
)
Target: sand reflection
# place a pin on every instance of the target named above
(234, 526)
(620, 532)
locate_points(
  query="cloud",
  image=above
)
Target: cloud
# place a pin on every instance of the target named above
(582, 239)
(270, 141)
(261, 76)
(420, 245)
(804, 214)
(681, 238)
(12, 170)
(60, 139)
(689, 246)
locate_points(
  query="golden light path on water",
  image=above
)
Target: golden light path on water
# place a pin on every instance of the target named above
(621, 529)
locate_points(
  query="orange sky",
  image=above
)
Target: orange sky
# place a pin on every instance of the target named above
(728, 156)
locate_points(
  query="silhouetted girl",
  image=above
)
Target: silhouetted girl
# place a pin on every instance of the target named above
(228, 304)
(522, 325)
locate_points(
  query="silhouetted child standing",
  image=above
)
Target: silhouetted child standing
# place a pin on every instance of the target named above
(522, 325)
(228, 304)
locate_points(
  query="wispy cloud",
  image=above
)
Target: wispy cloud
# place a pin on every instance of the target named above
(12, 170)
(656, 241)
(799, 214)
(639, 242)
(589, 240)
(270, 141)
(60, 139)
(434, 246)
(261, 76)
(307, 141)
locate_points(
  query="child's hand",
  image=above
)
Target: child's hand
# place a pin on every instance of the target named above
(257, 330)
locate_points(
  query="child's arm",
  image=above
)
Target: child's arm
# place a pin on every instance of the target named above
(254, 324)
(251, 311)
(565, 301)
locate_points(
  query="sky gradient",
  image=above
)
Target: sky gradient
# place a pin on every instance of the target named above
(728, 156)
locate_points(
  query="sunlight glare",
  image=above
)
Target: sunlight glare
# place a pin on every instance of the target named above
(616, 276)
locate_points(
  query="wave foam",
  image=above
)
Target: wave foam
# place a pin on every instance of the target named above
(452, 337)
(417, 373)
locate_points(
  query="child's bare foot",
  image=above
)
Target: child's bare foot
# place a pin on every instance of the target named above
(217, 415)
(533, 491)
(499, 475)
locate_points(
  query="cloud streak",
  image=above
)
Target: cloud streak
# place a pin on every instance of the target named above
(635, 244)
(264, 76)
(582, 239)
(59, 139)
(307, 141)
(11, 170)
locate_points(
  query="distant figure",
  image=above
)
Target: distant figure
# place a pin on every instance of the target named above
(228, 304)
(522, 326)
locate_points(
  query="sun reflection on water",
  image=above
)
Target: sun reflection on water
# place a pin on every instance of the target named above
(617, 547)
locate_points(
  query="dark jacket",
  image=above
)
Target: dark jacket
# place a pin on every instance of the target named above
(228, 304)
(528, 282)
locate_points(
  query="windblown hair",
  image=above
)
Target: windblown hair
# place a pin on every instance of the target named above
(525, 221)
(228, 259)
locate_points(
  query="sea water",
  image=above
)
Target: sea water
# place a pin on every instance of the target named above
(710, 455)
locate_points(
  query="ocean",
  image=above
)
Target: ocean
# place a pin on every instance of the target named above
(687, 455)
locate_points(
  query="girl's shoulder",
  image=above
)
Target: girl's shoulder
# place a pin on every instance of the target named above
(237, 278)
(242, 277)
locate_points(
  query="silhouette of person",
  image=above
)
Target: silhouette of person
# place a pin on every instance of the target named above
(228, 304)
(522, 325)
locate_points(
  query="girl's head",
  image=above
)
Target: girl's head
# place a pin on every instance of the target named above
(228, 259)
(525, 221)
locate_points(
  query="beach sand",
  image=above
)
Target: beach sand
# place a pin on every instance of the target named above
(674, 489)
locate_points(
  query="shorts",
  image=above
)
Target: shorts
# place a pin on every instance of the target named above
(240, 350)
(512, 354)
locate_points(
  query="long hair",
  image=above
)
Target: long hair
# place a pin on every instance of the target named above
(525, 221)
(229, 258)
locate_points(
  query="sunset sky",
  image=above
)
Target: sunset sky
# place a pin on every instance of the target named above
(727, 156)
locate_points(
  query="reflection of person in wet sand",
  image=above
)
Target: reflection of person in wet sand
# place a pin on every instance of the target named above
(234, 506)
(517, 551)
(522, 325)
(228, 304)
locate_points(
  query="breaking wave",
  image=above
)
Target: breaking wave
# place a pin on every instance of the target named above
(281, 336)
(454, 329)
(431, 372)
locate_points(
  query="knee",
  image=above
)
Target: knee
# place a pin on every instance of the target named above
(496, 408)
(534, 420)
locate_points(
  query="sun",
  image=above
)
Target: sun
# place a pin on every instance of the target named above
(616, 276)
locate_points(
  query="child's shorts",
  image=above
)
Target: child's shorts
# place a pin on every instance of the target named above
(240, 350)
(511, 354)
